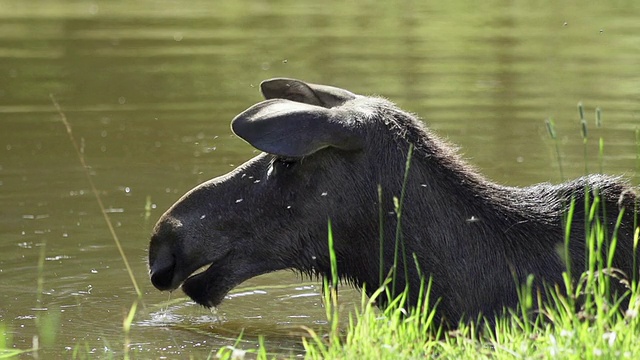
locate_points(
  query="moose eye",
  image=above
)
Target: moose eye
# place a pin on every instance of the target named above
(281, 164)
(284, 162)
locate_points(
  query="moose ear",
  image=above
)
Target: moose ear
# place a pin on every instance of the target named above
(292, 129)
(299, 91)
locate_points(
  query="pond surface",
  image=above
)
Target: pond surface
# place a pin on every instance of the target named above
(149, 88)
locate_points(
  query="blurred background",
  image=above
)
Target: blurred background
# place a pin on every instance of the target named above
(149, 88)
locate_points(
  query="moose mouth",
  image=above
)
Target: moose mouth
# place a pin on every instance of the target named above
(209, 287)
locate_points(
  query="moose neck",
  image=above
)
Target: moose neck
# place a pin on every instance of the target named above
(433, 206)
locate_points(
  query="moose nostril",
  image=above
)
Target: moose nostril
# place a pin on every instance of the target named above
(162, 255)
(162, 273)
(162, 263)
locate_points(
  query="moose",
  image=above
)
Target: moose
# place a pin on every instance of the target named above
(400, 201)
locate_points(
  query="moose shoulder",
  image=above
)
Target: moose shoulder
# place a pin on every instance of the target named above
(326, 154)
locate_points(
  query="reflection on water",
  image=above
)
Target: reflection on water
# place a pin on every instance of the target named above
(149, 89)
(216, 328)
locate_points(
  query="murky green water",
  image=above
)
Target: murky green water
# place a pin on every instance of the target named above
(149, 88)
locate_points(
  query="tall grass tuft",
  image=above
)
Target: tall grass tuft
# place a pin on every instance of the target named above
(585, 135)
(47, 318)
(551, 129)
(399, 245)
(234, 352)
(6, 348)
(126, 328)
(601, 140)
(319, 345)
(638, 153)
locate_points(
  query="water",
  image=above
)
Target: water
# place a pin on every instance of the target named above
(150, 87)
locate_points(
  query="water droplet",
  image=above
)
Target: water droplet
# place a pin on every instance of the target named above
(94, 9)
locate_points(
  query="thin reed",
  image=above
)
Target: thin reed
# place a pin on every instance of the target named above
(107, 219)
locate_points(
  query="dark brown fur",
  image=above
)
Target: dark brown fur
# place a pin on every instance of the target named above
(475, 238)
